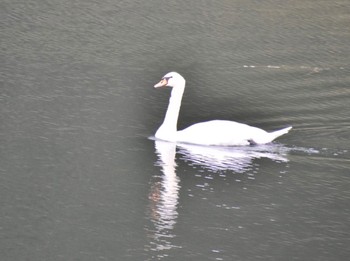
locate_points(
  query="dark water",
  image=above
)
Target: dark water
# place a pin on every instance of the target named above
(80, 180)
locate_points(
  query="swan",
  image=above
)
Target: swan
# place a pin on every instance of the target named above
(209, 133)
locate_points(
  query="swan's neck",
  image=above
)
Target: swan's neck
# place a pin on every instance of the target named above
(167, 131)
(172, 113)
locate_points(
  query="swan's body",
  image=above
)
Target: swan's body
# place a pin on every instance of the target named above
(215, 132)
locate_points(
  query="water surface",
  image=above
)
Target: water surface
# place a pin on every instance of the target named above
(80, 180)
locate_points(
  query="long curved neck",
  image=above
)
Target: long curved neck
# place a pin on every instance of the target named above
(167, 131)
(172, 113)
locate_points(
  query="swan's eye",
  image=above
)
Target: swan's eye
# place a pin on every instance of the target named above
(167, 78)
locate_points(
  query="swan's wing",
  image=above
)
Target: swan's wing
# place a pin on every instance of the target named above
(219, 132)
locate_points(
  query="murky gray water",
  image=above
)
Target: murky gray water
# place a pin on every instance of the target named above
(80, 180)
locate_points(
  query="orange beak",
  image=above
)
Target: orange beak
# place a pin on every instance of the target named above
(163, 82)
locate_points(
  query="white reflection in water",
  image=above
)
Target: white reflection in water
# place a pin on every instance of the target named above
(237, 159)
(164, 194)
(163, 198)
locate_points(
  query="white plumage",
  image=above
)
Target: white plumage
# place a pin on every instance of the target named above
(215, 132)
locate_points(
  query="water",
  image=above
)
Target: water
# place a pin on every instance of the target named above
(80, 180)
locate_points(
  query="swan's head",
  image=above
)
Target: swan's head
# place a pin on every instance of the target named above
(171, 79)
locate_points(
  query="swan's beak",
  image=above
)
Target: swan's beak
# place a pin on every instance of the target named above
(163, 82)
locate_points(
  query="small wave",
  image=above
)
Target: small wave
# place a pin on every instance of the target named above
(311, 69)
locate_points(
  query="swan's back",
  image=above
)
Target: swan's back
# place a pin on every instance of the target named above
(221, 133)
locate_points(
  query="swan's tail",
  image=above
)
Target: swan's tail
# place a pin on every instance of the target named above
(268, 136)
(276, 134)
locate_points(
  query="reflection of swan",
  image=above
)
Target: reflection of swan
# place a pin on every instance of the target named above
(164, 194)
(237, 159)
(164, 198)
(216, 132)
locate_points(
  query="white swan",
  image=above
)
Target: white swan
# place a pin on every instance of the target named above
(216, 132)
